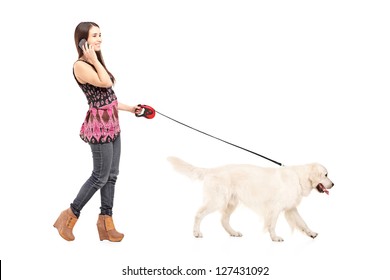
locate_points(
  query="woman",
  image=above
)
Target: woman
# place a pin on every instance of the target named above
(100, 129)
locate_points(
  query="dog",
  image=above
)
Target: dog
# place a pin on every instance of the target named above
(267, 191)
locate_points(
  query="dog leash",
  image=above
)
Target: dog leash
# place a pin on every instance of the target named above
(149, 113)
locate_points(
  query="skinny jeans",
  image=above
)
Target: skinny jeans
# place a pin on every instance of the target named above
(106, 159)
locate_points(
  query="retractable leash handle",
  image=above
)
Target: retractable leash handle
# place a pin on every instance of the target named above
(147, 112)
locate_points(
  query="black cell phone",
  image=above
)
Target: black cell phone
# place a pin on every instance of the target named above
(82, 43)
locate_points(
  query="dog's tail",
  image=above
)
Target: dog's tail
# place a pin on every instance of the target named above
(195, 173)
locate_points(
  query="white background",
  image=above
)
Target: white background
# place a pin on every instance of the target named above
(296, 81)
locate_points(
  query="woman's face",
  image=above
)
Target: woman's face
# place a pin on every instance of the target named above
(95, 37)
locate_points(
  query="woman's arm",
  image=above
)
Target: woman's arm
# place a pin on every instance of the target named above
(128, 108)
(85, 73)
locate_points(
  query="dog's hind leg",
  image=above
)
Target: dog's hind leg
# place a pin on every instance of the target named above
(226, 212)
(270, 224)
(202, 212)
(295, 221)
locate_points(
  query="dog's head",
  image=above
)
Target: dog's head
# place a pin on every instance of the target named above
(318, 177)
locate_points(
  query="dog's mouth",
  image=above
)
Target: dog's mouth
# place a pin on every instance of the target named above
(322, 189)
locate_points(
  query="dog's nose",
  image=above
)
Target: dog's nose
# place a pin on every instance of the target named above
(332, 185)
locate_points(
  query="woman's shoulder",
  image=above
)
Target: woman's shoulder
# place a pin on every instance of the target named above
(81, 62)
(80, 69)
(81, 66)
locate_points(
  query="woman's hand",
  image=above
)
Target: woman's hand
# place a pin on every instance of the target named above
(137, 110)
(89, 53)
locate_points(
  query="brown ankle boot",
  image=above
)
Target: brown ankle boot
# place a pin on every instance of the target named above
(107, 230)
(65, 224)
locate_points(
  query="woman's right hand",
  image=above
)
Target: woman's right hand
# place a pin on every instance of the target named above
(89, 53)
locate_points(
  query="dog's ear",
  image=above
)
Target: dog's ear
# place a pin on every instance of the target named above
(315, 174)
(308, 178)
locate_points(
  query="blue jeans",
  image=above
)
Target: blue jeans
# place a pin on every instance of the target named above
(105, 171)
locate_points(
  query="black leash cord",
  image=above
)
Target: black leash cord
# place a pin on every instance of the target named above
(278, 163)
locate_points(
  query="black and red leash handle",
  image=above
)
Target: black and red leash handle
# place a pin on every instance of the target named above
(149, 113)
(146, 111)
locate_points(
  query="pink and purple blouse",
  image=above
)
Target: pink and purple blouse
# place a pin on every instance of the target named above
(101, 123)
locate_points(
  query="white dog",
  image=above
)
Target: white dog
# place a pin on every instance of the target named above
(267, 191)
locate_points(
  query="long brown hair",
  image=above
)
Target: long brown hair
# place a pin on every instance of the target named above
(82, 32)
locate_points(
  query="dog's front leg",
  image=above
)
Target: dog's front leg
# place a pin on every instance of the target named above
(295, 221)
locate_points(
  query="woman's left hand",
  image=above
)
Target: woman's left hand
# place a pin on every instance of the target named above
(136, 110)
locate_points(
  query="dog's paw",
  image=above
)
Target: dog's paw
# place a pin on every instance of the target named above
(198, 234)
(277, 239)
(236, 234)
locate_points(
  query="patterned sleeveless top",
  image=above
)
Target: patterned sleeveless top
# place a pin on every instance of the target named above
(101, 123)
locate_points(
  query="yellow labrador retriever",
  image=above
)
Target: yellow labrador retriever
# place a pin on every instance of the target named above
(267, 191)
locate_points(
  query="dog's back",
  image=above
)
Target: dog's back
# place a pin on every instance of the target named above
(242, 181)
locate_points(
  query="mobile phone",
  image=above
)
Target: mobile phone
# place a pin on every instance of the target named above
(82, 43)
